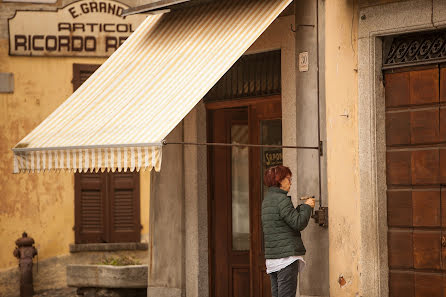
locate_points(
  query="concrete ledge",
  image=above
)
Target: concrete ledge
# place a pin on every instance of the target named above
(108, 247)
(106, 276)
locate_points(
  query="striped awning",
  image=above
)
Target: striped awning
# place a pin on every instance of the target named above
(119, 117)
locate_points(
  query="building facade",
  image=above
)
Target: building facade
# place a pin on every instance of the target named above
(45, 67)
(363, 77)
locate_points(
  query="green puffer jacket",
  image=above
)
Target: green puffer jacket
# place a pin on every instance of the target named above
(282, 224)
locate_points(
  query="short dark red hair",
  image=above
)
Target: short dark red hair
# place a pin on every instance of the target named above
(275, 174)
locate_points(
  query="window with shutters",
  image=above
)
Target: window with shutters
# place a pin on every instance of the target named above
(107, 207)
(107, 204)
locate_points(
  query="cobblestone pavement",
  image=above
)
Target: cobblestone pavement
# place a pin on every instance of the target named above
(66, 292)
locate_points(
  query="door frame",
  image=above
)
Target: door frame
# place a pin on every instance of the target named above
(210, 106)
(398, 18)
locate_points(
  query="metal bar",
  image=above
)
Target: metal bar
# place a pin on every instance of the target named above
(318, 106)
(164, 6)
(152, 6)
(80, 147)
(242, 145)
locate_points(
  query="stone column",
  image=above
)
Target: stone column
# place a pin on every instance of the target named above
(166, 231)
(195, 186)
(315, 279)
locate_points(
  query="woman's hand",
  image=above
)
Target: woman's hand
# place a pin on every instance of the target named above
(310, 202)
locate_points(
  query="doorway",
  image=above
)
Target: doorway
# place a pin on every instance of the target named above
(237, 263)
(416, 199)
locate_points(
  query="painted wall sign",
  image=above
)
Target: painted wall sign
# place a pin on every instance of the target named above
(273, 158)
(88, 28)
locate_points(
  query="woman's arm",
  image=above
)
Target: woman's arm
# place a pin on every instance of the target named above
(298, 218)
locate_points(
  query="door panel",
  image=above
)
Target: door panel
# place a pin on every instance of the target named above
(400, 249)
(237, 260)
(425, 167)
(397, 89)
(399, 168)
(402, 283)
(225, 258)
(426, 208)
(399, 208)
(240, 281)
(428, 284)
(416, 207)
(398, 128)
(424, 86)
(424, 126)
(426, 249)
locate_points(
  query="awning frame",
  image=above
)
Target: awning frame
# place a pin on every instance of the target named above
(82, 147)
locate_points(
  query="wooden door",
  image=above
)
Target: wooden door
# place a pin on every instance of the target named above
(266, 128)
(235, 188)
(230, 250)
(416, 198)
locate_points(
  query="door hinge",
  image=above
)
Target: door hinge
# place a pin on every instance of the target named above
(321, 148)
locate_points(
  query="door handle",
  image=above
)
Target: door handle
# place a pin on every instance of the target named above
(443, 241)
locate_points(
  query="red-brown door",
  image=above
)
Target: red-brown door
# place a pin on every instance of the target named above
(416, 199)
(237, 261)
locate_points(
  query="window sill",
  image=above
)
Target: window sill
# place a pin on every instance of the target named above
(108, 247)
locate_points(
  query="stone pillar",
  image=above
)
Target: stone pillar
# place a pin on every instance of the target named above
(195, 186)
(166, 234)
(315, 279)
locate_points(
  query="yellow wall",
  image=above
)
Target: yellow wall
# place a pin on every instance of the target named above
(40, 204)
(342, 146)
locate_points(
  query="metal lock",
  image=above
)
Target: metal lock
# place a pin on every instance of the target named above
(320, 216)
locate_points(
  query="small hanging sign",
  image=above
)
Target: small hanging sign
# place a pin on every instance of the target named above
(303, 62)
(272, 158)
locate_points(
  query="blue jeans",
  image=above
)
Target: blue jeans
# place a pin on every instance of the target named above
(284, 282)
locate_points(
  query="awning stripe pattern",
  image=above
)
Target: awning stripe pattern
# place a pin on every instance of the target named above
(118, 118)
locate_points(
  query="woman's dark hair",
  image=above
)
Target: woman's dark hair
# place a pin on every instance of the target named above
(274, 175)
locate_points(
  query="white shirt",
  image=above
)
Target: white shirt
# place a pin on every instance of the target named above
(273, 265)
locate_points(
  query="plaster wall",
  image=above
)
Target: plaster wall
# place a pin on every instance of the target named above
(376, 22)
(341, 17)
(40, 204)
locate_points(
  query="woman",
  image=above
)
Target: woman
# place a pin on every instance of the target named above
(282, 224)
